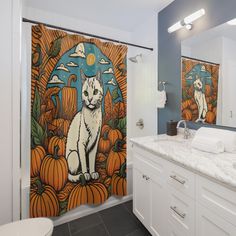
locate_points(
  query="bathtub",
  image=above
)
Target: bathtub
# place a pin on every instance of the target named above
(82, 210)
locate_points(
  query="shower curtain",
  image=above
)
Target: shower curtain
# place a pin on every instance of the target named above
(78, 121)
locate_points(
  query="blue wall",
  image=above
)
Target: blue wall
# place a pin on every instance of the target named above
(169, 46)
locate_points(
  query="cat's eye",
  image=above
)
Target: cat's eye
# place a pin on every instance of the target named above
(86, 93)
(95, 92)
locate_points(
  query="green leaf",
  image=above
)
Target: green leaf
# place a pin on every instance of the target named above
(62, 212)
(63, 204)
(55, 48)
(214, 103)
(39, 52)
(122, 126)
(115, 94)
(36, 105)
(37, 132)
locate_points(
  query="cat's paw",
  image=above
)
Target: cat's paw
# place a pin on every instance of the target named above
(95, 175)
(87, 176)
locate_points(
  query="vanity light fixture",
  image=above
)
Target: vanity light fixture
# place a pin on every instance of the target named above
(232, 22)
(187, 21)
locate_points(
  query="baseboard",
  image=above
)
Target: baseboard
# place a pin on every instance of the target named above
(88, 210)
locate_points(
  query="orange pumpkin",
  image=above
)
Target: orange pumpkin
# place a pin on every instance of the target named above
(69, 99)
(113, 135)
(87, 193)
(57, 141)
(215, 110)
(62, 126)
(193, 107)
(186, 104)
(187, 114)
(37, 155)
(65, 192)
(105, 128)
(54, 170)
(116, 157)
(43, 201)
(118, 182)
(107, 182)
(209, 106)
(104, 144)
(210, 117)
(102, 172)
(101, 157)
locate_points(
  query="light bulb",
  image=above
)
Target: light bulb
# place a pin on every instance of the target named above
(175, 27)
(232, 22)
(189, 19)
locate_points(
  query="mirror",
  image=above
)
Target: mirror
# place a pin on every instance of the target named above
(208, 76)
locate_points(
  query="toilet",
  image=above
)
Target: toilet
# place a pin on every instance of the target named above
(28, 227)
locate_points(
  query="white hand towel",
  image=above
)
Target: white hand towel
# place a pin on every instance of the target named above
(227, 137)
(207, 144)
(161, 99)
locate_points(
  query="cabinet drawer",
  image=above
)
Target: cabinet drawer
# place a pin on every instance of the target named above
(181, 179)
(181, 212)
(148, 168)
(217, 198)
(208, 223)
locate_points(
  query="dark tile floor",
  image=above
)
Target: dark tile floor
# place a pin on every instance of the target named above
(115, 221)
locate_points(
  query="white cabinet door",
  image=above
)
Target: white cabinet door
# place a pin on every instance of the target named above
(208, 223)
(141, 196)
(157, 206)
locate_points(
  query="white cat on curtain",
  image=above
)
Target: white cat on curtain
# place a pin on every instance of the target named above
(84, 131)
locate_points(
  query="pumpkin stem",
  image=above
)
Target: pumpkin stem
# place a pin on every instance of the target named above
(39, 187)
(114, 123)
(55, 155)
(72, 77)
(122, 172)
(60, 133)
(33, 145)
(105, 135)
(82, 180)
(118, 146)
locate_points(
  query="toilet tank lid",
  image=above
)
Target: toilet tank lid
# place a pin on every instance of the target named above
(28, 227)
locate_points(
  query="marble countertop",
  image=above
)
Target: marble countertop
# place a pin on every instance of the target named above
(221, 167)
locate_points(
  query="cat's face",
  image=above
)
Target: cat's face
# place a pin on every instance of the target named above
(92, 90)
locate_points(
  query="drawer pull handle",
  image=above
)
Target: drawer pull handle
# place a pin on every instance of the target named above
(175, 209)
(146, 177)
(181, 181)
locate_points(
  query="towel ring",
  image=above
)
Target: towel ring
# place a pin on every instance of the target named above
(163, 83)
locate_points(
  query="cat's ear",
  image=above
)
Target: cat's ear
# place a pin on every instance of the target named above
(82, 75)
(99, 76)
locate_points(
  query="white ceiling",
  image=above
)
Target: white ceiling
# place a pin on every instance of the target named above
(120, 14)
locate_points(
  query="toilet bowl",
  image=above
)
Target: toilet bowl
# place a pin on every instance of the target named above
(28, 227)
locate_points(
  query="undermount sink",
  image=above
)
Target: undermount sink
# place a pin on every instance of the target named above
(170, 141)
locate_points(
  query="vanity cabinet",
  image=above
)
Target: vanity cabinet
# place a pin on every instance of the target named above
(149, 195)
(173, 201)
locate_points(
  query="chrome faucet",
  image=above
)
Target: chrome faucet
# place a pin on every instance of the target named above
(186, 130)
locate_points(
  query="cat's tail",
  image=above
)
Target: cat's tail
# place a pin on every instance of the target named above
(74, 178)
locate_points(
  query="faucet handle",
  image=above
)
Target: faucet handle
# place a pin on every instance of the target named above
(187, 133)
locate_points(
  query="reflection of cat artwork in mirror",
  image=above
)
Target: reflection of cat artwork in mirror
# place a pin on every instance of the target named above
(199, 90)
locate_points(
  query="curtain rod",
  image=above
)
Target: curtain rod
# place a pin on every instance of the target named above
(195, 59)
(87, 34)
